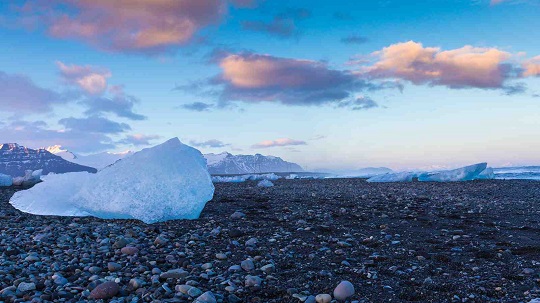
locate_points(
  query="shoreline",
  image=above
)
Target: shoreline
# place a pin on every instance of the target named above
(472, 241)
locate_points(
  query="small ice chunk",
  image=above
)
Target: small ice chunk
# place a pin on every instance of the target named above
(165, 182)
(466, 173)
(265, 183)
(5, 180)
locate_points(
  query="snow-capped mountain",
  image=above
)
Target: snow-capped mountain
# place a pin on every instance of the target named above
(64, 153)
(98, 161)
(15, 159)
(226, 163)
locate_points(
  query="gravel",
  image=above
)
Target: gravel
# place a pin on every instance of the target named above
(294, 242)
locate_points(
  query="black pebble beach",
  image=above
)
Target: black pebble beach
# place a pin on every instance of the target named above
(395, 242)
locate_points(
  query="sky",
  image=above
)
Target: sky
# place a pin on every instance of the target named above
(326, 84)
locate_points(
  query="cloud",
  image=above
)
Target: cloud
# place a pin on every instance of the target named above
(354, 39)
(278, 142)
(283, 25)
(139, 139)
(213, 143)
(120, 104)
(262, 78)
(19, 94)
(532, 67)
(198, 106)
(37, 134)
(464, 67)
(90, 79)
(94, 124)
(361, 103)
(127, 25)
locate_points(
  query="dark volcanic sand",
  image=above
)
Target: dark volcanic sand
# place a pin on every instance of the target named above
(419, 242)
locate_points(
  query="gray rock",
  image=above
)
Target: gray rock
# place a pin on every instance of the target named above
(323, 298)
(207, 297)
(113, 266)
(174, 274)
(129, 250)
(343, 291)
(24, 287)
(253, 281)
(105, 290)
(247, 265)
(237, 215)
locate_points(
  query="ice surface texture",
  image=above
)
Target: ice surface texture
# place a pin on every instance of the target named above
(165, 182)
(5, 180)
(467, 173)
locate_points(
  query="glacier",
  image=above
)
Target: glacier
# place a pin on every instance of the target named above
(165, 182)
(467, 173)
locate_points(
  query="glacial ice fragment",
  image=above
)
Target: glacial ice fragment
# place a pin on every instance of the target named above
(466, 173)
(165, 182)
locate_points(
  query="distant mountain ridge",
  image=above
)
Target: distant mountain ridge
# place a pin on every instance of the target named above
(98, 161)
(15, 159)
(228, 164)
(218, 164)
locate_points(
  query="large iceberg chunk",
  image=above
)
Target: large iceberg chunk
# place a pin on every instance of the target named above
(168, 181)
(5, 180)
(396, 177)
(466, 173)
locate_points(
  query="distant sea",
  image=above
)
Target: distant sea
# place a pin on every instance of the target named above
(522, 172)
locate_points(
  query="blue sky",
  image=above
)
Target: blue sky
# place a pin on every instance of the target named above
(341, 84)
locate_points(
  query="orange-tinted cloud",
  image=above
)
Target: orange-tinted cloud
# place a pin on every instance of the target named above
(129, 25)
(90, 79)
(255, 78)
(532, 67)
(458, 68)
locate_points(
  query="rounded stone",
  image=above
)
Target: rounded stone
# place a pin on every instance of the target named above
(343, 291)
(105, 290)
(129, 250)
(323, 298)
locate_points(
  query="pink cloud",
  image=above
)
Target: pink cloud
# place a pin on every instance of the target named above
(532, 67)
(254, 78)
(91, 79)
(279, 142)
(463, 67)
(129, 25)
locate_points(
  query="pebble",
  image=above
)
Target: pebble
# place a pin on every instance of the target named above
(253, 281)
(207, 297)
(247, 265)
(113, 266)
(323, 298)
(174, 274)
(24, 287)
(129, 250)
(237, 215)
(343, 291)
(221, 256)
(105, 290)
